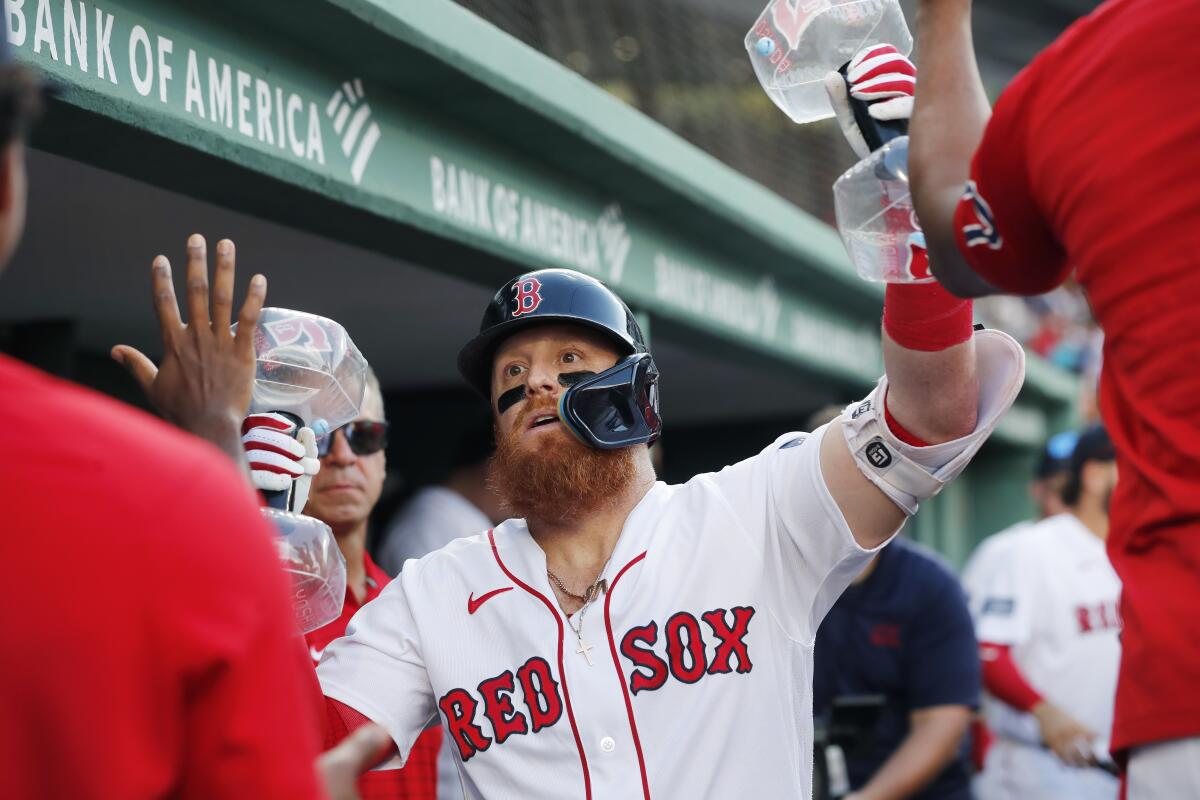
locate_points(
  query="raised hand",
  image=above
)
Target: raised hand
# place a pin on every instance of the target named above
(207, 373)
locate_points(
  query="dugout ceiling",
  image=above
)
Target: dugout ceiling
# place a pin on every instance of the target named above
(405, 157)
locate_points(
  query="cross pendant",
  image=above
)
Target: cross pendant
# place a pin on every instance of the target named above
(585, 649)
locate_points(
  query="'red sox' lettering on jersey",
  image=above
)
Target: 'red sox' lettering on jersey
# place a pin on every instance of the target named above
(715, 591)
(531, 701)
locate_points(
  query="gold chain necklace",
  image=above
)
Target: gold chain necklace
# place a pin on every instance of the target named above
(589, 594)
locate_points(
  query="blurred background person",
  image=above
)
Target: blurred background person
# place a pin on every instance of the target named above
(461, 504)
(1049, 629)
(901, 632)
(1050, 476)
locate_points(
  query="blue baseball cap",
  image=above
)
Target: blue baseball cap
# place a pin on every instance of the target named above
(1093, 445)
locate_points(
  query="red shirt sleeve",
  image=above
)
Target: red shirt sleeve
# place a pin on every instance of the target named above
(224, 618)
(1003, 231)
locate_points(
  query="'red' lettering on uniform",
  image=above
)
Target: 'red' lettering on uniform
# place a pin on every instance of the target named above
(644, 657)
(541, 693)
(498, 707)
(527, 296)
(458, 707)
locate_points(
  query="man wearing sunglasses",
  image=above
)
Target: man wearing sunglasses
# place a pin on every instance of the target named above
(620, 637)
(348, 480)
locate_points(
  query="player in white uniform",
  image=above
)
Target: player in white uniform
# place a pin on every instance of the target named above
(1049, 630)
(1045, 490)
(627, 638)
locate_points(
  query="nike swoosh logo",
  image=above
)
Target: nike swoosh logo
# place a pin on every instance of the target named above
(316, 654)
(473, 604)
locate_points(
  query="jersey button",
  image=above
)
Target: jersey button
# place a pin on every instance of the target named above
(607, 744)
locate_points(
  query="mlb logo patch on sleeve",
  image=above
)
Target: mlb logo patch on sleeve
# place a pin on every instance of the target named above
(999, 606)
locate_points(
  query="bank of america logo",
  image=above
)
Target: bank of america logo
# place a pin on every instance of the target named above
(351, 114)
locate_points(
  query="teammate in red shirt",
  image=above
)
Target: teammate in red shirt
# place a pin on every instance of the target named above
(1090, 161)
(149, 644)
(150, 648)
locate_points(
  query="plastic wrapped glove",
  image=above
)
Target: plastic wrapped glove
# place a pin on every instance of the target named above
(881, 77)
(280, 454)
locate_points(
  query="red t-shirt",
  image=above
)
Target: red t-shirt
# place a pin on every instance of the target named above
(1092, 160)
(417, 780)
(149, 648)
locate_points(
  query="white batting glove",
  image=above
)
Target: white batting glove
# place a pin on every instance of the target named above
(881, 77)
(279, 455)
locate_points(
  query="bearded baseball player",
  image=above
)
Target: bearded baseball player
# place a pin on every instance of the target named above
(621, 637)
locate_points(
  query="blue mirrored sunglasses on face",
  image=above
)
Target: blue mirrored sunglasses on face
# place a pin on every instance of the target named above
(364, 437)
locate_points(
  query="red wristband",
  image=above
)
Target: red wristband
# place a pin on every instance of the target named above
(899, 430)
(924, 316)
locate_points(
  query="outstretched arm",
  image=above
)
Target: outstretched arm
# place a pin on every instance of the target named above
(932, 391)
(949, 117)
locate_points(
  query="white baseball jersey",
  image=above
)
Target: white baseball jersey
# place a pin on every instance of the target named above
(988, 556)
(1054, 601)
(694, 674)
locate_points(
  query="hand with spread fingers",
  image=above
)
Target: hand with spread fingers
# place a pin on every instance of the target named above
(204, 382)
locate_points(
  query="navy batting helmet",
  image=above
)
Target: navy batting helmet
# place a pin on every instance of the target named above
(607, 410)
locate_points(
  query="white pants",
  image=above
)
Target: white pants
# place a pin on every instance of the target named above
(1017, 771)
(1165, 771)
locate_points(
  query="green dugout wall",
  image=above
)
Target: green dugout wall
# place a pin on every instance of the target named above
(416, 130)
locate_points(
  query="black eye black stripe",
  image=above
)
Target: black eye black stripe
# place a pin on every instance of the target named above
(509, 399)
(572, 378)
(516, 394)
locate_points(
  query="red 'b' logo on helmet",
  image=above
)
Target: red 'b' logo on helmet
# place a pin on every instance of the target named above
(527, 296)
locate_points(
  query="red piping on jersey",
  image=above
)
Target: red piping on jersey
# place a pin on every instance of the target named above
(612, 646)
(562, 674)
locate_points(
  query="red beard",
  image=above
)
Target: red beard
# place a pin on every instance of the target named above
(560, 478)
